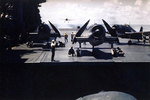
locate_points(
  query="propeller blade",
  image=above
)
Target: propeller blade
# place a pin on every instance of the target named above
(55, 29)
(110, 30)
(107, 26)
(81, 30)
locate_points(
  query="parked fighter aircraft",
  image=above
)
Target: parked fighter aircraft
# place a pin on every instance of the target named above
(43, 36)
(124, 31)
(97, 36)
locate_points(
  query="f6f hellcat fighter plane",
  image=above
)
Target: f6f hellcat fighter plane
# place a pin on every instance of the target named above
(97, 36)
(43, 36)
(124, 31)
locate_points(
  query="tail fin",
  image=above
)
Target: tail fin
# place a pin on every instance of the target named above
(55, 29)
(110, 30)
(141, 29)
(81, 30)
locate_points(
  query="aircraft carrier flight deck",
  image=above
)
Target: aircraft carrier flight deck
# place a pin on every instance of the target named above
(137, 52)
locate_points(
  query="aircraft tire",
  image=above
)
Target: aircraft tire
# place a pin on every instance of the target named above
(129, 42)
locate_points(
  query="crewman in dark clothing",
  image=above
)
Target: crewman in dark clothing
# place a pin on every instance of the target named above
(53, 50)
(72, 35)
(71, 51)
(78, 51)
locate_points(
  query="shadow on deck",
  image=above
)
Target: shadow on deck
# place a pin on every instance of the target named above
(98, 54)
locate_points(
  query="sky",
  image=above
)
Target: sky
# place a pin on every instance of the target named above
(79, 11)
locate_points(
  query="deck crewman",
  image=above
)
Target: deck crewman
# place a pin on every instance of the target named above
(149, 38)
(143, 37)
(72, 35)
(71, 52)
(53, 50)
(66, 37)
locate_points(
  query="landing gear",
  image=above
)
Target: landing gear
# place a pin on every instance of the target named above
(79, 45)
(112, 46)
(117, 41)
(138, 40)
(93, 51)
(129, 42)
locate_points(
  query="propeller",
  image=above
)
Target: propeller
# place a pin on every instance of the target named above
(55, 29)
(110, 30)
(81, 30)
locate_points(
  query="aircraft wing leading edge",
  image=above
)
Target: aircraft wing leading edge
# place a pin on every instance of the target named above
(145, 33)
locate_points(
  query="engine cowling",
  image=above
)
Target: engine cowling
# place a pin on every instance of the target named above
(98, 35)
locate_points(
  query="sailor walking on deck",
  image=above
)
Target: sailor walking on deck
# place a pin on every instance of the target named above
(66, 37)
(53, 50)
